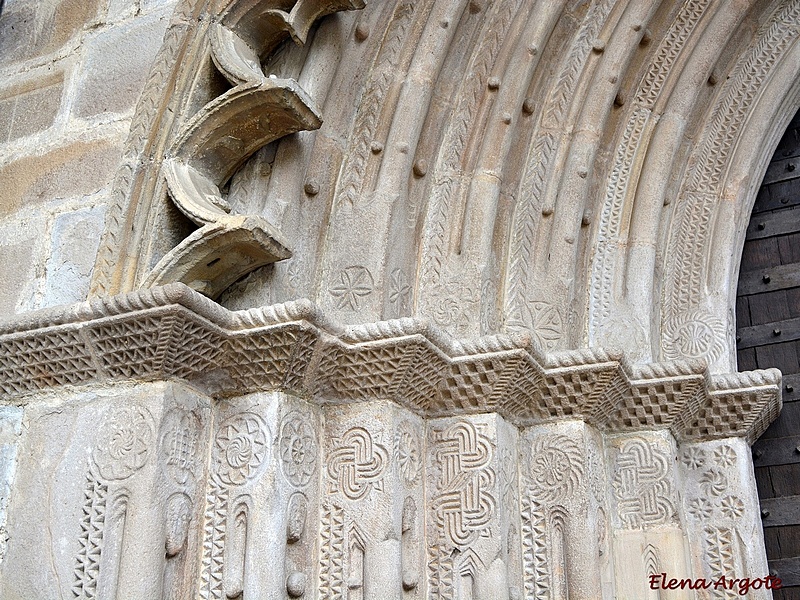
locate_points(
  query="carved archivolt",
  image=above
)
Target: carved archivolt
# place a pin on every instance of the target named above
(481, 210)
(491, 167)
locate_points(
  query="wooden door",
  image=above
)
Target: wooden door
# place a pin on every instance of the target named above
(768, 335)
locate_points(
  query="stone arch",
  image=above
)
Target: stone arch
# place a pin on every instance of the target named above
(703, 242)
(493, 202)
(480, 212)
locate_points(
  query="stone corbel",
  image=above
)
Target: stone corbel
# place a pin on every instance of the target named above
(225, 133)
(252, 29)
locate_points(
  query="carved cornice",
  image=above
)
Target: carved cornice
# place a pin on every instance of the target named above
(174, 332)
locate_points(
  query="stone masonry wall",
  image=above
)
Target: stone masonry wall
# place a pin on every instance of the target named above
(71, 72)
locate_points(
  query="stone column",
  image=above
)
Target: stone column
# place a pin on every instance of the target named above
(721, 512)
(471, 479)
(107, 502)
(563, 511)
(259, 526)
(647, 535)
(372, 511)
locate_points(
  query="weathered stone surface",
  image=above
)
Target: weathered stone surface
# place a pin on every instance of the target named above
(29, 108)
(10, 429)
(75, 237)
(37, 29)
(117, 64)
(521, 221)
(78, 169)
(115, 473)
(16, 272)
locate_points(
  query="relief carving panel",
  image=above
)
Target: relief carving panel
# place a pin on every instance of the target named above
(642, 485)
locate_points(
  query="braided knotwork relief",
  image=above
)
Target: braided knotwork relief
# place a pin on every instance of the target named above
(642, 486)
(357, 464)
(464, 502)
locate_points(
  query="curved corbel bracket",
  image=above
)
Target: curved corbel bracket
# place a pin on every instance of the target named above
(218, 254)
(263, 25)
(234, 57)
(224, 134)
(305, 13)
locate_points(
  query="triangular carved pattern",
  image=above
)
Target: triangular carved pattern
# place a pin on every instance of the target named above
(368, 372)
(195, 347)
(331, 566)
(440, 573)
(720, 559)
(58, 358)
(414, 365)
(262, 358)
(93, 517)
(129, 346)
(214, 522)
(536, 575)
(417, 389)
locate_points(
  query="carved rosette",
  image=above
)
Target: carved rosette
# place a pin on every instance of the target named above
(241, 447)
(719, 513)
(123, 447)
(298, 449)
(556, 468)
(125, 443)
(693, 334)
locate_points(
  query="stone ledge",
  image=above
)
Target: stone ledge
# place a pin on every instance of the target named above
(174, 332)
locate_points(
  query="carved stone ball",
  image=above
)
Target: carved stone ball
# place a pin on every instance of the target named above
(296, 585)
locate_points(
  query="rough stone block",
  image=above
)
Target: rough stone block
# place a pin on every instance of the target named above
(6, 117)
(30, 107)
(17, 28)
(79, 169)
(117, 64)
(149, 5)
(28, 30)
(74, 245)
(16, 260)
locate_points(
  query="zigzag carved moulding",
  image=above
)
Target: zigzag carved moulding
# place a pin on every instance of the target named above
(174, 332)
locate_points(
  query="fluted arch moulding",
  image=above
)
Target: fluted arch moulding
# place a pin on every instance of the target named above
(473, 265)
(587, 181)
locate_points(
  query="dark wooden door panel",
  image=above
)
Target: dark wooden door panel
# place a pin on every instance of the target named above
(768, 335)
